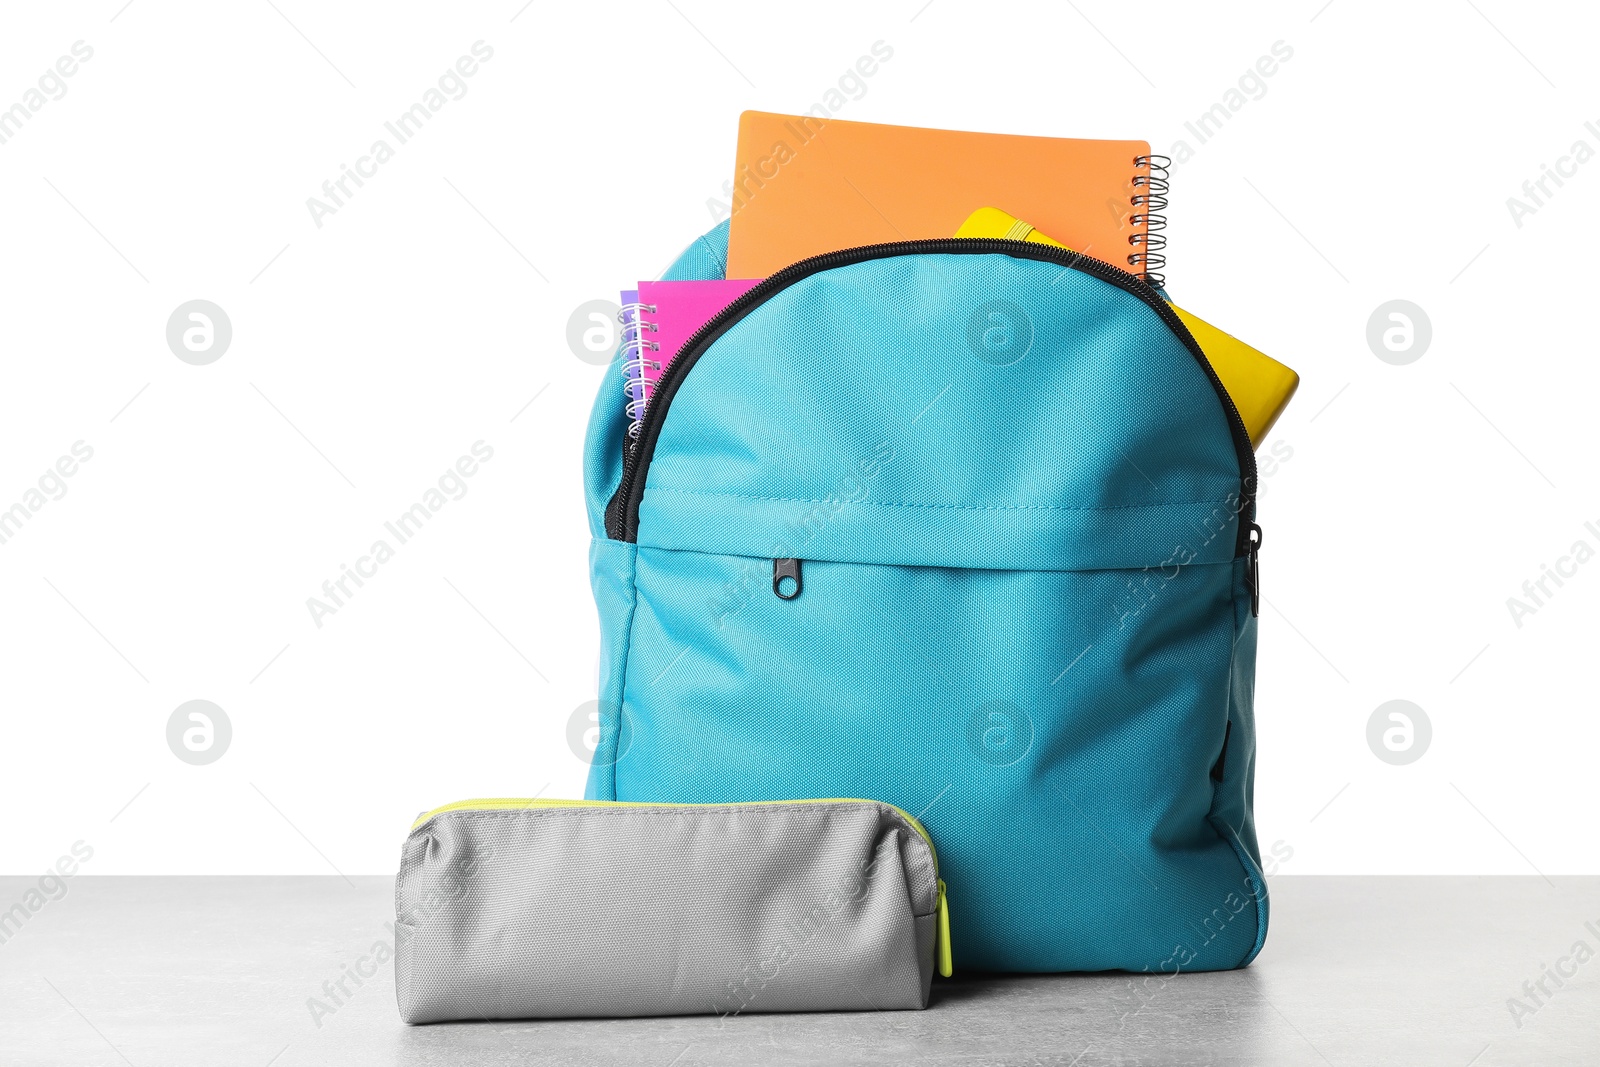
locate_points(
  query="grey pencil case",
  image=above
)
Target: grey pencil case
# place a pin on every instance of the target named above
(515, 909)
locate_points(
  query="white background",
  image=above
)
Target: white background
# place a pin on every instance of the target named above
(425, 315)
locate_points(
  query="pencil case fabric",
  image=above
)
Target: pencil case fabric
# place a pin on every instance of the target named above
(510, 909)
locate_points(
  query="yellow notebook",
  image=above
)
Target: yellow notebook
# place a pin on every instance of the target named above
(1260, 386)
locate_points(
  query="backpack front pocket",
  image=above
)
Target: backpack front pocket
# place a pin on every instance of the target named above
(1056, 729)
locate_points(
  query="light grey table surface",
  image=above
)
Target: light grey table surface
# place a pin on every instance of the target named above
(214, 971)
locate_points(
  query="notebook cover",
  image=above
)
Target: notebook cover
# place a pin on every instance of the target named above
(803, 186)
(681, 308)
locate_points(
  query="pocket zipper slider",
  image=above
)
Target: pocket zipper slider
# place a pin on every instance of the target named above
(1253, 570)
(786, 571)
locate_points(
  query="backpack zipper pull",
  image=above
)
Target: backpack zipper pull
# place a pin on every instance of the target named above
(786, 570)
(1253, 570)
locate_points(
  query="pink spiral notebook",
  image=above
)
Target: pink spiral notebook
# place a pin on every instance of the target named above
(657, 321)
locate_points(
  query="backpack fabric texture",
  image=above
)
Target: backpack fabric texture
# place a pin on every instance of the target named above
(1021, 512)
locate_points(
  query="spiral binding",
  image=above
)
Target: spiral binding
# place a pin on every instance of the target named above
(635, 359)
(1149, 200)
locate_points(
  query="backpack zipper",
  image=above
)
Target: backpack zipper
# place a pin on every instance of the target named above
(622, 513)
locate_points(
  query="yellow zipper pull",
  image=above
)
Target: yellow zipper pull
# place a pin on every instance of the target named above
(946, 964)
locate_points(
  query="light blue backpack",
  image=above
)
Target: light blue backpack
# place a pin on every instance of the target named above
(965, 526)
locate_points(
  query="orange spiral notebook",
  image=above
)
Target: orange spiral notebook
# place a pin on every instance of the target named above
(804, 185)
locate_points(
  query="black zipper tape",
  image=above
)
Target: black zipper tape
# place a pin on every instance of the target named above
(622, 513)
